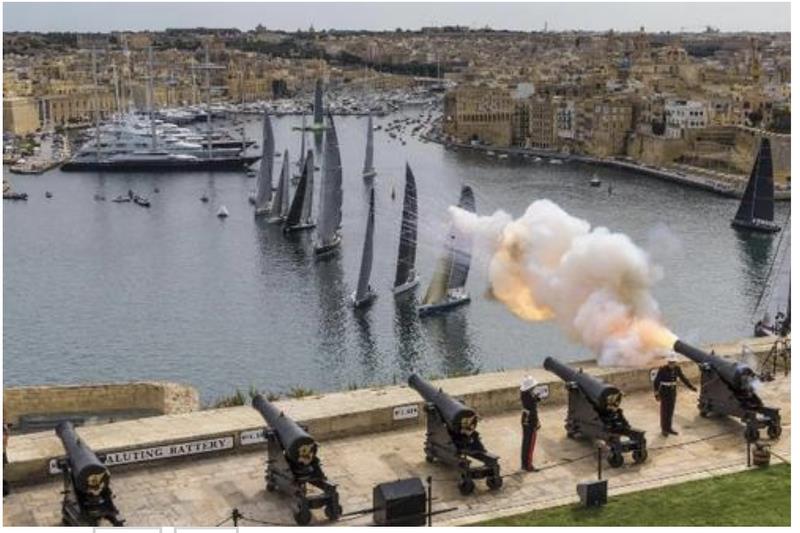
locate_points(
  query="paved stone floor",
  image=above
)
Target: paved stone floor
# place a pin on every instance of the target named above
(202, 492)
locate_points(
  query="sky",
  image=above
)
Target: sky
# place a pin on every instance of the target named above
(655, 17)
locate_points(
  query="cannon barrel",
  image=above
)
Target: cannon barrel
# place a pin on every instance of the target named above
(88, 474)
(736, 375)
(601, 394)
(299, 446)
(453, 412)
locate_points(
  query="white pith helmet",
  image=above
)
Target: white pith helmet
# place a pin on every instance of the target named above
(527, 383)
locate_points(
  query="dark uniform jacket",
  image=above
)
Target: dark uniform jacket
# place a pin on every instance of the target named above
(668, 375)
(530, 408)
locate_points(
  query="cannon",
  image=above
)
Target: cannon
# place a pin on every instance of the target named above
(87, 483)
(594, 412)
(727, 388)
(292, 465)
(452, 438)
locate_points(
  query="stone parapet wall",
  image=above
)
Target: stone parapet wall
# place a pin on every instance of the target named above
(106, 399)
(327, 416)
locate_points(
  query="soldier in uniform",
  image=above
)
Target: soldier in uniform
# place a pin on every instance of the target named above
(665, 386)
(530, 422)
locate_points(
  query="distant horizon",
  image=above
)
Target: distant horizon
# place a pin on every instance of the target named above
(107, 17)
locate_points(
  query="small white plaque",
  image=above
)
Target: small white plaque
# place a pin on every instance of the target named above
(254, 436)
(405, 412)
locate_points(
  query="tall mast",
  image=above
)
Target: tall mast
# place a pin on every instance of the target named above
(208, 101)
(150, 97)
(95, 104)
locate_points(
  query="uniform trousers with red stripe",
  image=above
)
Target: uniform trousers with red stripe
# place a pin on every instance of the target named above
(528, 444)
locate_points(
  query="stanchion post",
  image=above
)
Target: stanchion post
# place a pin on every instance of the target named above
(599, 462)
(748, 454)
(430, 501)
(235, 517)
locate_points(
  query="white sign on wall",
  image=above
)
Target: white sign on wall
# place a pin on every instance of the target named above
(160, 452)
(253, 436)
(405, 412)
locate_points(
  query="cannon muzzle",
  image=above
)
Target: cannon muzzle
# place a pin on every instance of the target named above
(89, 475)
(602, 395)
(458, 417)
(298, 445)
(736, 375)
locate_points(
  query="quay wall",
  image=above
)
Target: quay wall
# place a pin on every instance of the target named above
(105, 399)
(328, 416)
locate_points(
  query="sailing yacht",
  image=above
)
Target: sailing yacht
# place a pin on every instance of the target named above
(301, 163)
(280, 204)
(364, 294)
(369, 169)
(299, 217)
(318, 117)
(264, 184)
(406, 275)
(447, 288)
(329, 234)
(757, 209)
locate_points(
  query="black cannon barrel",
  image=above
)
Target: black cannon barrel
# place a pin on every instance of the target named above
(600, 393)
(453, 412)
(88, 473)
(299, 446)
(736, 375)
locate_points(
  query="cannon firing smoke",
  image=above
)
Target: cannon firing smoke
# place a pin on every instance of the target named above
(594, 283)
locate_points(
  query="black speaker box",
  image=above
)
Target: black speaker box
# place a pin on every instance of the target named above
(593, 493)
(399, 503)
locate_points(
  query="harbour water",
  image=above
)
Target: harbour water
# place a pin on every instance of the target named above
(97, 291)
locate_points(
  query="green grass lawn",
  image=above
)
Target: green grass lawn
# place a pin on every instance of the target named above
(754, 498)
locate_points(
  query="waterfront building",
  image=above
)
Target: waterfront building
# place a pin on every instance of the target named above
(682, 115)
(479, 114)
(20, 115)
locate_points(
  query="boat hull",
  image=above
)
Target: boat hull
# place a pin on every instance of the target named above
(365, 302)
(760, 226)
(327, 249)
(178, 165)
(299, 227)
(400, 289)
(369, 175)
(450, 303)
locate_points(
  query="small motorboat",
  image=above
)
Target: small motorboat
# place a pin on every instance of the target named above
(204, 199)
(555, 162)
(121, 199)
(223, 212)
(595, 181)
(99, 198)
(156, 190)
(141, 200)
(48, 194)
(251, 173)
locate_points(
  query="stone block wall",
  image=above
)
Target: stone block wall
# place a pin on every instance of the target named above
(156, 397)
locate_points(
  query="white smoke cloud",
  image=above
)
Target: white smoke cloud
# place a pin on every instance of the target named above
(594, 283)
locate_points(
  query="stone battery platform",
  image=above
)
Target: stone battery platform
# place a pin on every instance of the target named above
(361, 445)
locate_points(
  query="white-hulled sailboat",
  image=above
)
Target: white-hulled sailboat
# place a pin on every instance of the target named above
(264, 184)
(329, 234)
(369, 169)
(280, 204)
(364, 294)
(447, 288)
(299, 217)
(406, 275)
